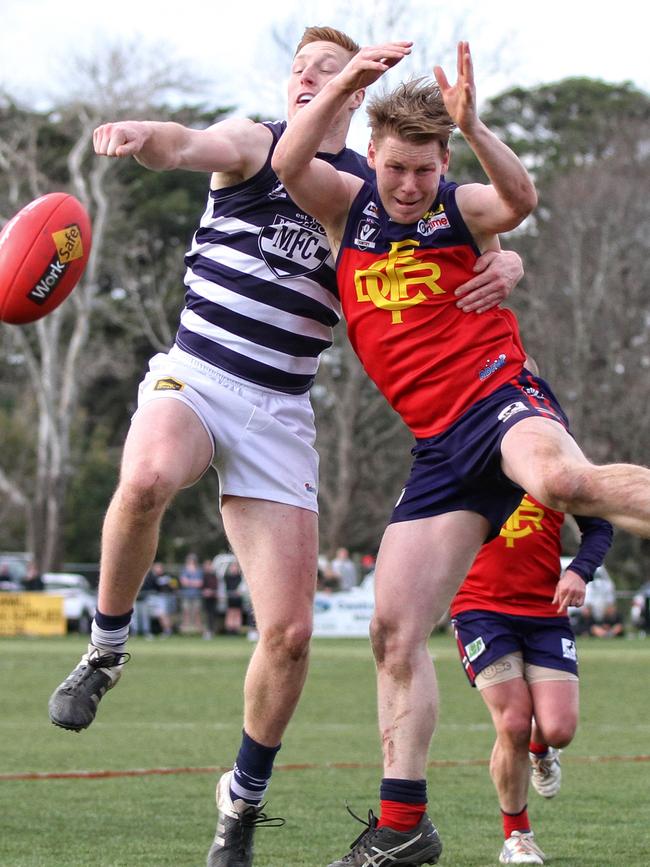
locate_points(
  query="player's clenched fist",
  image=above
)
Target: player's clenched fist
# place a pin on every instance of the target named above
(123, 139)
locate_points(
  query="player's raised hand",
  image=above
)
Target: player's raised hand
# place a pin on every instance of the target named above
(371, 63)
(123, 139)
(460, 98)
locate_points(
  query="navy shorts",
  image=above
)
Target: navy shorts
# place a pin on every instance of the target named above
(483, 637)
(460, 469)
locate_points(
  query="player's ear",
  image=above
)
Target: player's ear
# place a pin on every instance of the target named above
(357, 98)
(446, 158)
(372, 154)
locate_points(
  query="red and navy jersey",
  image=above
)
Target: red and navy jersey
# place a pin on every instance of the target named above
(396, 283)
(517, 572)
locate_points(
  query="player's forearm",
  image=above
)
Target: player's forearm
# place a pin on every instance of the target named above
(164, 145)
(505, 171)
(597, 536)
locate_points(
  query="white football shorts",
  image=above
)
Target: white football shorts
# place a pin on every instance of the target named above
(263, 440)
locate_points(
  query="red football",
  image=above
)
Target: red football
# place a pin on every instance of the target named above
(43, 252)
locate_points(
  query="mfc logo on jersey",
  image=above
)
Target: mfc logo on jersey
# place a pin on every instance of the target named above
(526, 519)
(394, 283)
(291, 249)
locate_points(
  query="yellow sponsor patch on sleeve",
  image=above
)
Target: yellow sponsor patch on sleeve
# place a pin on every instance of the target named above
(169, 384)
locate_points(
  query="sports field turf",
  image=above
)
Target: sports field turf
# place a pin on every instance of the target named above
(179, 707)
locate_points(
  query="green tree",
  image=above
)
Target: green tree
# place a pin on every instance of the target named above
(564, 125)
(83, 350)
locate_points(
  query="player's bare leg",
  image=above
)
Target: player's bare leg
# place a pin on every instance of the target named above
(277, 548)
(167, 448)
(420, 566)
(545, 460)
(511, 707)
(556, 709)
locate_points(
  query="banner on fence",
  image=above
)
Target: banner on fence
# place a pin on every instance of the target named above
(31, 614)
(343, 615)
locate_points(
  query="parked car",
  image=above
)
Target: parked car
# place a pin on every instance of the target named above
(79, 600)
(13, 566)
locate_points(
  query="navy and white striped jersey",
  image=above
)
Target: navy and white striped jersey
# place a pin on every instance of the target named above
(261, 296)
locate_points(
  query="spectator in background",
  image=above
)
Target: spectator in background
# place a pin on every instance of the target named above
(601, 594)
(640, 610)
(191, 581)
(367, 564)
(235, 592)
(141, 620)
(345, 569)
(163, 601)
(582, 620)
(610, 625)
(328, 580)
(32, 582)
(210, 594)
(6, 580)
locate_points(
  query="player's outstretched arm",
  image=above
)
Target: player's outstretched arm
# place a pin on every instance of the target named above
(502, 206)
(315, 185)
(227, 146)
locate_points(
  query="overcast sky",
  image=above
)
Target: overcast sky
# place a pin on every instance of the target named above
(229, 43)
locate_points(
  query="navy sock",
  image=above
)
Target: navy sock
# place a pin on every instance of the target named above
(252, 770)
(404, 791)
(110, 631)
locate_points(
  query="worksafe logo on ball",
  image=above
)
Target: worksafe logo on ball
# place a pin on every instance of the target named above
(68, 244)
(68, 248)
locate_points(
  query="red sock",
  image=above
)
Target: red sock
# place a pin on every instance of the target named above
(400, 816)
(515, 822)
(538, 749)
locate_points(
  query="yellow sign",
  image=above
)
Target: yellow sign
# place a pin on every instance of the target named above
(387, 281)
(31, 614)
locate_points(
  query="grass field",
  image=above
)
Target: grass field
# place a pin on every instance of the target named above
(179, 707)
